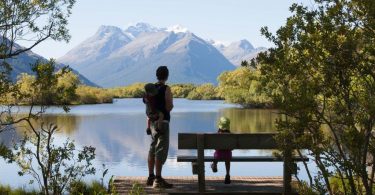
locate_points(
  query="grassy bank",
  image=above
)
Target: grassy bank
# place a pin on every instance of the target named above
(240, 86)
(94, 187)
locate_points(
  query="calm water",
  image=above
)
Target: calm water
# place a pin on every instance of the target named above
(118, 132)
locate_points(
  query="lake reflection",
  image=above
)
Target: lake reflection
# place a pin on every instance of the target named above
(121, 136)
(118, 133)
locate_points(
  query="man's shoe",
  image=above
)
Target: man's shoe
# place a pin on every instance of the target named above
(214, 167)
(150, 180)
(161, 183)
(227, 179)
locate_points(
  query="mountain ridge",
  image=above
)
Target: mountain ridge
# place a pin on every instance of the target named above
(22, 64)
(190, 58)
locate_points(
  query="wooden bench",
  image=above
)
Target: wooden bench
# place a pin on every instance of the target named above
(262, 141)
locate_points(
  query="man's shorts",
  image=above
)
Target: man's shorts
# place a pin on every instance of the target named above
(159, 141)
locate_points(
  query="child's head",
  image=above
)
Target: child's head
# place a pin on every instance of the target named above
(151, 89)
(224, 123)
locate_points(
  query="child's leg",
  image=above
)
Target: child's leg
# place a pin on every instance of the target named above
(214, 166)
(227, 166)
(227, 176)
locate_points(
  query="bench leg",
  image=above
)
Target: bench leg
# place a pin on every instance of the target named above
(200, 161)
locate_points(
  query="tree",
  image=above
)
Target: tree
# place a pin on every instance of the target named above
(33, 21)
(57, 166)
(181, 90)
(204, 92)
(322, 72)
(242, 86)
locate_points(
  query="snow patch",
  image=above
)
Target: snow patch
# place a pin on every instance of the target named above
(177, 29)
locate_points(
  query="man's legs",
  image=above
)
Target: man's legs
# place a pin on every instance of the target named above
(151, 161)
(161, 153)
(158, 167)
(151, 164)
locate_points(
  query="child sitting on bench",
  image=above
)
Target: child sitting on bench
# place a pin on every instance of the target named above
(226, 155)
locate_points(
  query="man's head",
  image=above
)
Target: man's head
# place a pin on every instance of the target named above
(162, 73)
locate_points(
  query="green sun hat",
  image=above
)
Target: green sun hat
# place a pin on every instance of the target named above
(224, 123)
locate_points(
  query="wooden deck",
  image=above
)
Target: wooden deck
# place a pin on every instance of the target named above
(214, 185)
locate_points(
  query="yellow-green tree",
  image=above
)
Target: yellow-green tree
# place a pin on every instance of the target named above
(93, 95)
(323, 69)
(204, 92)
(181, 90)
(242, 86)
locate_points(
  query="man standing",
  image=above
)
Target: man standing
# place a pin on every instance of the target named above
(160, 135)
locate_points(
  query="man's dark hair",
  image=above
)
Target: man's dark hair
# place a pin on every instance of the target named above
(162, 73)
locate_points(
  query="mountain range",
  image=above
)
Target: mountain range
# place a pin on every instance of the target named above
(238, 51)
(22, 64)
(117, 57)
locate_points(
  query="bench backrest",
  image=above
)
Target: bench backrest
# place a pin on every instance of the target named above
(228, 141)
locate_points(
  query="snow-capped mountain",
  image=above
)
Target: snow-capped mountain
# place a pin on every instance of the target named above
(238, 51)
(177, 29)
(104, 42)
(140, 28)
(189, 58)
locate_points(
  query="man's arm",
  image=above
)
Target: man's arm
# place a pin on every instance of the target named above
(168, 99)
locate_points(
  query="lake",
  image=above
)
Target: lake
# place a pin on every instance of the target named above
(118, 132)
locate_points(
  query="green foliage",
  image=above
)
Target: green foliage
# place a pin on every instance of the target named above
(131, 91)
(33, 21)
(58, 165)
(137, 189)
(111, 186)
(182, 90)
(75, 188)
(7, 190)
(52, 166)
(321, 76)
(4, 151)
(305, 189)
(242, 86)
(92, 95)
(47, 87)
(204, 92)
(93, 188)
(340, 185)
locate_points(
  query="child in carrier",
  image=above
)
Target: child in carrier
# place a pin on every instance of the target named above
(153, 115)
(226, 155)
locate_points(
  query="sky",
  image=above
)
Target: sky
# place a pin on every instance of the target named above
(222, 20)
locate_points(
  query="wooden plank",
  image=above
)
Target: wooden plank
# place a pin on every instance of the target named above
(200, 152)
(187, 141)
(214, 185)
(228, 141)
(242, 159)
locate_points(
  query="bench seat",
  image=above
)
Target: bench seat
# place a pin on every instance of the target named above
(242, 159)
(240, 141)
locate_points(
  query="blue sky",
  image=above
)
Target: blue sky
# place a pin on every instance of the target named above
(224, 20)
